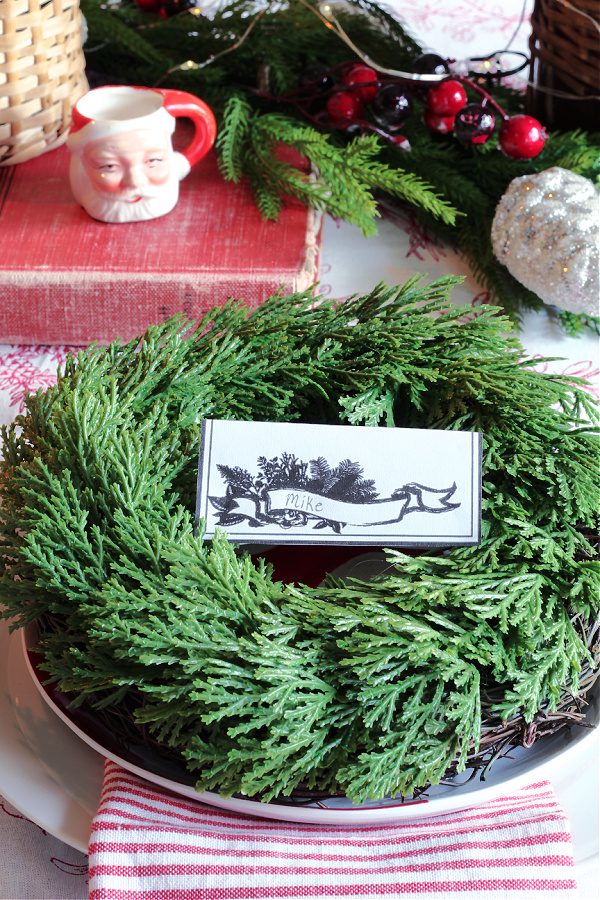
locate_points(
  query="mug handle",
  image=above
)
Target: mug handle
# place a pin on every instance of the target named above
(180, 104)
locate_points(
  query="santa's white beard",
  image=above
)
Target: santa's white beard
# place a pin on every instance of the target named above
(155, 200)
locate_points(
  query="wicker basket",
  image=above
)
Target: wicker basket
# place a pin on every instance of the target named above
(565, 59)
(41, 75)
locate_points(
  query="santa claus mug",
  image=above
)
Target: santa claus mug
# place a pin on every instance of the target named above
(123, 166)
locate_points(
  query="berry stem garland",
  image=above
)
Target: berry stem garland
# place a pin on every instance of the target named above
(447, 109)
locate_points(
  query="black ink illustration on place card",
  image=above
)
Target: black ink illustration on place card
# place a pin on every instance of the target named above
(286, 492)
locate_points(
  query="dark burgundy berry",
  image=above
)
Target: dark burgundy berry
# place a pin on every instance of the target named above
(392, 106)
(363, 81)
(441, 124)
(343, 107)
(174, 7)
(522, 137)
(430, 64)
(319, 78)
(446, 98)
(150, 5)
(474, 124)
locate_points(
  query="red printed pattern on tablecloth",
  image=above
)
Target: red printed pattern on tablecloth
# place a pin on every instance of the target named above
(10, 811)
(583, 368)
(41, 849)
(421, 243)
(464, 23)
(26, 370)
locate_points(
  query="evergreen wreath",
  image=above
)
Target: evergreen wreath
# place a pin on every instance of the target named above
(248, 56)
(367, 688)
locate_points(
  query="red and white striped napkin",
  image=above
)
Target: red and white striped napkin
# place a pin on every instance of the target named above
(149, 844)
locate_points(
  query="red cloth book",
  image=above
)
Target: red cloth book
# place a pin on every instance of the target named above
(68, 279)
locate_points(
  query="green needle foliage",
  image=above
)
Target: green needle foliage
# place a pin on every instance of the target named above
(249, 55)
(342, 179)
(368, 688)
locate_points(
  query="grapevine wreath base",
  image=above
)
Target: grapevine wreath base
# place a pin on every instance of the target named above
(368, 688)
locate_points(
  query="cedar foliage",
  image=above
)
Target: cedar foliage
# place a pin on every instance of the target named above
(369, 688)
(454, 190)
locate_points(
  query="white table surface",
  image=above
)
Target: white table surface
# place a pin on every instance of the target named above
(36, 866)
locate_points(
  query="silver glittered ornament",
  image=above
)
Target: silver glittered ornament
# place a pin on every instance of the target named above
(546, 231)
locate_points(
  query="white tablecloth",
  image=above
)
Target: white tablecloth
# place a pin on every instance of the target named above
(33, 864)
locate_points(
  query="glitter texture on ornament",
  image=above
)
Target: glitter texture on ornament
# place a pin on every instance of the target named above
(546, 231)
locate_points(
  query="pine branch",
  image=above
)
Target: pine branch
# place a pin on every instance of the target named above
(575, 323)
(110, 30)
(232, 136)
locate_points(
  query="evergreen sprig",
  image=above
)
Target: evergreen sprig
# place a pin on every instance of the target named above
(237, 117)
(346, 178)
(369, 688)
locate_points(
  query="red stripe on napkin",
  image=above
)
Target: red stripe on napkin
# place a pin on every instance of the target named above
(148, 844)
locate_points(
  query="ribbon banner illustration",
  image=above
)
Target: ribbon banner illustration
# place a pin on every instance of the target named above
(293, 507)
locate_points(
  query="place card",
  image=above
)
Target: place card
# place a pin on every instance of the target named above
(276, 483)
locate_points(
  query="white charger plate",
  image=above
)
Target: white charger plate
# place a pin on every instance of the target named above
(51, 770)
(54, 778)
(46, 772)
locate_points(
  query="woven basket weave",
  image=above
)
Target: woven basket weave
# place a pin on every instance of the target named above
(41, 75)
(565, 59)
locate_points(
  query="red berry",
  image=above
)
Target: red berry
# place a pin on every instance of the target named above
(446, 98)
(441, 124)
(363, 80)
(344, 106)
(150, 5)
(522, 137)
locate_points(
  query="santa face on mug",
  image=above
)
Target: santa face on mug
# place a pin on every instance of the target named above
(128, 176)
(123, 166)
